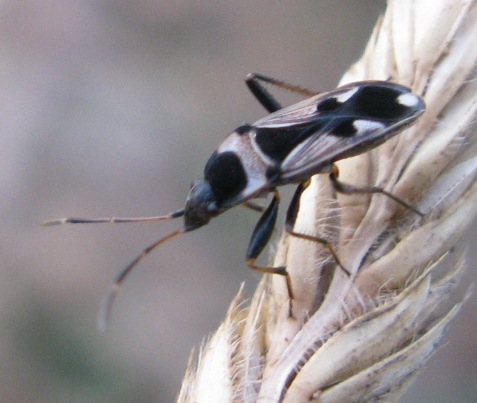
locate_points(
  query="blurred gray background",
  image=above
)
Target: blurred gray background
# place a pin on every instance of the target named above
(112, 108)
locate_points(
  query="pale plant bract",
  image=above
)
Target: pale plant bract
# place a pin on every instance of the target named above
(363, 337)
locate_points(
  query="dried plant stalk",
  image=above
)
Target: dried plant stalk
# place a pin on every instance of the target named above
(363, 338)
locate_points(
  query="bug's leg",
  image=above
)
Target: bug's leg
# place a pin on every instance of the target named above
(292, 214)
(254, 207)
(260, 237)
(267, 100)
(349, 189)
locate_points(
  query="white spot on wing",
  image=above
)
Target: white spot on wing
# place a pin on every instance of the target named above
(407, 99)
(346, 95)
(363, 126)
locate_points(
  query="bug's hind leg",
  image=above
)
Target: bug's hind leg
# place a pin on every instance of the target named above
(262, 95)
(346, 188)
(292, 214)
(260, 237)
(267, 100)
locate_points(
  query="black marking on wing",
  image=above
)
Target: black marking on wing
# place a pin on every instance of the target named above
(278, 143)
(328, 105)
(374, 102)
(343, 127)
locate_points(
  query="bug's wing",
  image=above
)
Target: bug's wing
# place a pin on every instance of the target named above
(339, 124)
(318, 152)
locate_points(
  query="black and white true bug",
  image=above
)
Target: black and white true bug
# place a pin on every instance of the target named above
(286, 147)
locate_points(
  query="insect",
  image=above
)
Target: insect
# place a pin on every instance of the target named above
(286, 147)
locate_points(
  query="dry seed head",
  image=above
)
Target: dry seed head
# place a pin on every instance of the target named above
(364, 338)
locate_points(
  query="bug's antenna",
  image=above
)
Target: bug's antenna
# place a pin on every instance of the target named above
(106, 306)
(105, 311)
(113, 220)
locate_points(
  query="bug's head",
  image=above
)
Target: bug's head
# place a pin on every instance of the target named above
(201, 205)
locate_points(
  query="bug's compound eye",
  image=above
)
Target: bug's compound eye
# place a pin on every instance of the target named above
(213, 209)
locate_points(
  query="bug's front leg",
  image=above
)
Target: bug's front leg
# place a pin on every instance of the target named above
(292, 214)
(350, 189)
(260, 237)
(254, 207)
